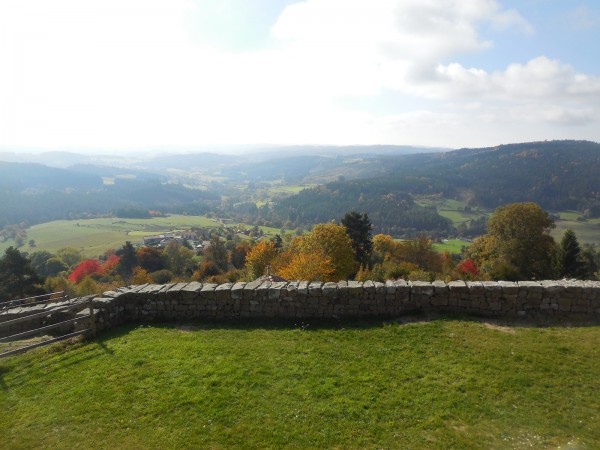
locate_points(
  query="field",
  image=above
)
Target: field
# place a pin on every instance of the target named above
(94, 236)
(452, 209)
(587, 231)
(437, 384)
(452, 246)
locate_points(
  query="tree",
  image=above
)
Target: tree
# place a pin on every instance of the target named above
(237, 257)
(70, 256)
(358, 226)
(420, 251)
(17, 277)
(518, 245)
(217, 253)
(39, 260)
(150, 259)
(53, 267)
(127, 261)
(571, 264)
(261, 255)
(308, 267)
(84, 269)
(331, 241)
(180, 259)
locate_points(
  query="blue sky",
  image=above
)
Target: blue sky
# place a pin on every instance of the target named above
(134, 74)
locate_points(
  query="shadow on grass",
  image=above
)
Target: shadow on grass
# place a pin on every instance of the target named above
(350, 323)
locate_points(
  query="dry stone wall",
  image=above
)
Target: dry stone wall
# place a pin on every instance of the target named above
(346, 299)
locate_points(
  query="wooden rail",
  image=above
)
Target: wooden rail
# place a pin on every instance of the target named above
(89, 317)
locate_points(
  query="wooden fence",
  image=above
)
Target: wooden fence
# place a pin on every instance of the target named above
(45, 308)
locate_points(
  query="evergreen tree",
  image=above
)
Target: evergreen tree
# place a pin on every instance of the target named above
(127, 261)
(358, 227)
(571, 263)
(17, 277)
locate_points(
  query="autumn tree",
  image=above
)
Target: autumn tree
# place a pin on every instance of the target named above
(237, 256)
(84, 269)
(330, 241)
(420, 252)
(150, 259)
(358, 226)
(307, 267)
(518, 245)
(260, 256)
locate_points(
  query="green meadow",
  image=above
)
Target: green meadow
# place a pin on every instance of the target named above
(418, 385)
(94, 236)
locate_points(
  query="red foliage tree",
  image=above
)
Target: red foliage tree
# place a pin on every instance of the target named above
(85, 268)
(468, 266)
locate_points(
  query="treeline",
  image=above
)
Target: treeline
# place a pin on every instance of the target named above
(518, 246)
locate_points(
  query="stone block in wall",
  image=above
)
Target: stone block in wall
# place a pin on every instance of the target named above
(476, 289)
(329, 289)
(262, 291)
(208, 291)
(150, 289)
(162, 293)
(290, 292)
(441, 293)
(369, 290)
(223, 292)
(341, 295)
(314, 289)
(191, 291)
(275, 289)
(173, 291)
(303, 288)
(237, 290)
(509, 288)
(355, 288)
(403, 290)
(250, 288)
(421, 293)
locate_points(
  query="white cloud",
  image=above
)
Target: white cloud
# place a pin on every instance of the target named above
(133, 72)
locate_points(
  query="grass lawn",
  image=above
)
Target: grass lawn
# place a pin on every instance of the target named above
(438, 384)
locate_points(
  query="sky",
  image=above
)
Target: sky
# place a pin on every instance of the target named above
(134, 74)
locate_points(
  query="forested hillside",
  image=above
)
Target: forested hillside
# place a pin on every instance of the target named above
(556, 174)
(35, 193)
(389, 205)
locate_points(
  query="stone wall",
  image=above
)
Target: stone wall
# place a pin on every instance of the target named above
(346, 299)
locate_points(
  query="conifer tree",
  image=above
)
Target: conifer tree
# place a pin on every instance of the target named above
(571, 263)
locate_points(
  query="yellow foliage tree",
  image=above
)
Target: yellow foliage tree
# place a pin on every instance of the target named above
(331, 241)
(307, 267)
(262, 255)
(140, 276)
